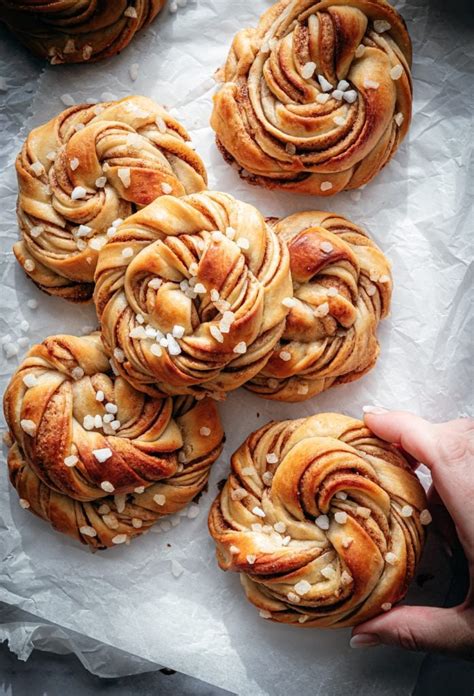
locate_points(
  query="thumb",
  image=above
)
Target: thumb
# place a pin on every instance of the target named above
(428, 629)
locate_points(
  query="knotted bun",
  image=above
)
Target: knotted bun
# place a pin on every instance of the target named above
(84, 171)
(318, 97)
(322, 520)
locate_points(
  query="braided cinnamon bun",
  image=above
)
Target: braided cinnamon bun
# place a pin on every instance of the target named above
(84, 171)
(318, 97)
(77, 31)
(189, 293)
(323, 521)
(94, 457)
(342, 288)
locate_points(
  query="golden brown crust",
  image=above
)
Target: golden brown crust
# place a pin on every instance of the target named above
(267, 116)
(342, 289)
(146, 279)
(87, 168)
(163, 446)
(77, 31)
(349, 565)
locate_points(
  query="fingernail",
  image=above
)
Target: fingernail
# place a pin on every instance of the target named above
(374, 409)
(364, 640)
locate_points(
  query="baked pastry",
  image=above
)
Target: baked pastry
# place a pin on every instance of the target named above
(67, 31)
(85, 170)
(189, 293)
(342, 288)
(97, 459)
(323, 521)
(318, 97)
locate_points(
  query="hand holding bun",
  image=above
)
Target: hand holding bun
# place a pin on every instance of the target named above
(318, 97)
(81, 434)
(65, 31)
(322, 519)
(85, 170)
(342, 288)
(189, 292)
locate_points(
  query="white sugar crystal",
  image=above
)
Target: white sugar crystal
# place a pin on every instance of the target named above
(381, 25)
(346, 579)
(23, 341)
(71, 460)
(325, 186)
(28, 426)
(24, 503)
(193, 511)
(360, 50)
(272, 458)
(199, 288)
(256, 527)
(279, 527)
(176, 569)
(396, 72)
(77, 373)
(363, 511)
(102, 454)
(178, 331)
(323, 97)
(399, 118)
(302, 388)
(88, 531)
(133, 71)
(74, 163)
(173, 346)
(322, 310)
(51, 155)
(124, 175)
(343, 85)
(332, 292)
(166, 188)
(251, 558)
(391, 558)
(29, 380)
(155, 283)
(285, 355)
(119, 539)
(127, 252)
(130, 12)
(78, 192)
(339, 120)
(108, 418)
(240, 348)
(29, 265)
(115, 424)
(350, 96)
(234, 549)
(107, 487)
(32, 304)
(293, 597)
(83, 231)
(67, 99)
(265, 614)
(88, 422)
(341, 495)
(267, 478)
(111, 408)
(205, 431)
(308, 69)
(156, 350)
(371, 290)
(325, 85)
(247, 471)
(386, 606)
(111, 521)
(337, 94)
(327, 247)
(340, 517)
(37, 168)
(258, 511)
(139, 490)
(290, 148)
(302, 587)
(99, 395)
(425, 517)
(322, 521)
(216, 333)
(10, 349)
(406, 511)
(230, 232)
(328, 572)
(286, 541)
(137, 523)
(347, 541)
(159, 499)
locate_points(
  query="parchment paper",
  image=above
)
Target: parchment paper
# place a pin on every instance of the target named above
(419, 210)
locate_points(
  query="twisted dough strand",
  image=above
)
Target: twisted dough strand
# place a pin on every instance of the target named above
(318, 97)
(342, 289)
(321, 519)
(189, 292)
(85, 170)
(77, 31)
(80, 434)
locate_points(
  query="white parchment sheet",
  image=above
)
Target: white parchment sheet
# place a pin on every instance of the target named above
(419, 210)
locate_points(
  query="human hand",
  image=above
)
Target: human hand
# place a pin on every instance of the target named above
(447, 449)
